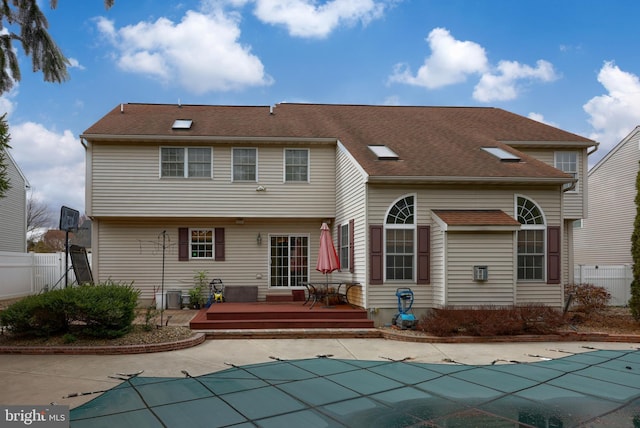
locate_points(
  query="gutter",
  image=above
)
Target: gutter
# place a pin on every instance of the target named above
(205, 138)
(449, 179)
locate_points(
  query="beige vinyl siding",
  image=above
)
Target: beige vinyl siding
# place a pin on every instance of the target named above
(605, 236)
(125, 182)
(351, 205)
(575, 203)
(567, 254)
(13, 227)
(462, 197)
(537, 293)
(453, 197)
(494, 250)
(132, 251)
(438, 278)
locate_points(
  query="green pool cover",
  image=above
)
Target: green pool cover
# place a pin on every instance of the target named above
(599, 388)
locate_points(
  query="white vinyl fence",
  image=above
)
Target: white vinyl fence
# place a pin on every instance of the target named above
(615, 278)
(22, 274)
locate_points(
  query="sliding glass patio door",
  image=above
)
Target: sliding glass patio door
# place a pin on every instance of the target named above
(289, 257)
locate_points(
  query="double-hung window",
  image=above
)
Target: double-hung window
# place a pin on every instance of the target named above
(296, 165)
(531, 241)
(185, 162)
(344, 249)
(245, 164)
(568, 162)
(400, 240)
(201, 243)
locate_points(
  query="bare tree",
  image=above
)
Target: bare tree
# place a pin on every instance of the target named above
(39, 215)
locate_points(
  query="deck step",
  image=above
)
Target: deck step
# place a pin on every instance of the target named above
(300, 314)
(279, 297)
(284, 315)
(237, 324)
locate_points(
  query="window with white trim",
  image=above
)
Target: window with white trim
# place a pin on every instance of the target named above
(201, 243)
(399, 233)
(245, 162)
(531, 240)
(344, 249)
(187, 162)
(568, 162)
(296, 165)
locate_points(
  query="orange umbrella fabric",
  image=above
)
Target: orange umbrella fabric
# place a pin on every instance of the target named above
(328, 260)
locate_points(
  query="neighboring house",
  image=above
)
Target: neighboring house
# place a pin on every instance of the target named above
(465, 206)
(604, 237)
(13, 210)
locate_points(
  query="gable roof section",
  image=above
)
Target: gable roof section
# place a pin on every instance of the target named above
(433, 143)
(617, 147)
(468, 220)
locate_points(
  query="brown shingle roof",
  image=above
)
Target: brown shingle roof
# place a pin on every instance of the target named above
(433, 143)
(476, 218)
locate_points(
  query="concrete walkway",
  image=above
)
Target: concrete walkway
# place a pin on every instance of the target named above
(45, 379)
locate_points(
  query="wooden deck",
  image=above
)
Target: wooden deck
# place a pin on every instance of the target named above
(279, 315)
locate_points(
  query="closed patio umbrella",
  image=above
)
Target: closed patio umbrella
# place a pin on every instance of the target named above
(328, 260)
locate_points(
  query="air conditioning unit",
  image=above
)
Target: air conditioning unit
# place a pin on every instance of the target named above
(480, 273)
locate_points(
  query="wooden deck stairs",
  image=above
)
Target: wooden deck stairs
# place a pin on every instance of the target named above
(279, 315)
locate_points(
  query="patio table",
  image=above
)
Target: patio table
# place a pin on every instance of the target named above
(321, 290)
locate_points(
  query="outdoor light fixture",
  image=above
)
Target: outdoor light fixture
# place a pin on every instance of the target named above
(259, 239)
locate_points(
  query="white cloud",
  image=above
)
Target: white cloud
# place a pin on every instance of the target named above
(540, 118)
(52, 162)
(505, 83)
(6, 105)
(451, 61)
(305, 18)
(616, 113)
(201, 53)
(74, 63)
(392, 100)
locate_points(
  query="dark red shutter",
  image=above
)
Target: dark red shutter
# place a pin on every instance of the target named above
(375, 255)
(424, 255)
(183, 244)
(219, 244)
(339, 242)
(553, 255)
(352, 252)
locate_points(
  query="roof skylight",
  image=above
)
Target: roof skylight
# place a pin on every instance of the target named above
(182, 124)
(501, 154)
(383, 152)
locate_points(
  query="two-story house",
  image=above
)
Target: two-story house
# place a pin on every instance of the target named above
(604, 238)
(465, 206)
(13, 209)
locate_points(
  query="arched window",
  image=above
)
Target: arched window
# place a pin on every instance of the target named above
(400, 240)
(531, 240)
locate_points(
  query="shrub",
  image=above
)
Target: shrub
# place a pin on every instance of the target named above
(587, 297)
(105, 310)
(491, 321)
(38, 315)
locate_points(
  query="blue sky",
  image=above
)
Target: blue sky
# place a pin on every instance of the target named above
(572, 64)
